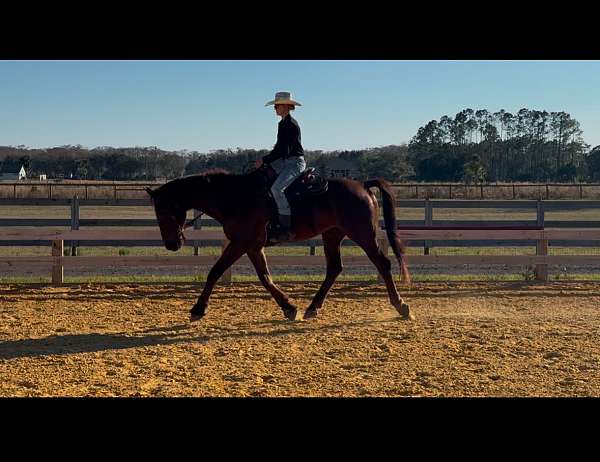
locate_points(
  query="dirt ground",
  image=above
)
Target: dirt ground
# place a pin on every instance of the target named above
(469, 339)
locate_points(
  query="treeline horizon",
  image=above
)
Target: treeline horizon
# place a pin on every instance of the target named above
(477, 146)
(151, 163)
(474, 146)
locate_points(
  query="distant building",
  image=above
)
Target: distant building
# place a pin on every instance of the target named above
(43, 177)
(13, 176)
(336, 168)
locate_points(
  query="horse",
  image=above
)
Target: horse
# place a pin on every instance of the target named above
(241, 204)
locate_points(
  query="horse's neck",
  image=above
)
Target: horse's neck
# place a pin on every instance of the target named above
(208, 197)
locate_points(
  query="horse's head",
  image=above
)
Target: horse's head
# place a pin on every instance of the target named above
(171, 219)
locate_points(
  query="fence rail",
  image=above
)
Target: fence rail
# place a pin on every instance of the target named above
(493, 190)
(57, 262)
(121, 189)
(539, 207)
(428, 233)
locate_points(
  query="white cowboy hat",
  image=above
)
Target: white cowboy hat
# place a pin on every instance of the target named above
(283, 97)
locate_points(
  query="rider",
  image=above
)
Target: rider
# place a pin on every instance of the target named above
(287, 159)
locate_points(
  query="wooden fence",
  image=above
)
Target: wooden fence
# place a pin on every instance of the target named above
(427, 233)
(538, 210)
(135, 189)
(57, 261)
(539, 207)
(495, 191)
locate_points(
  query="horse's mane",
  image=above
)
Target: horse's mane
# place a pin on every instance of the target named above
(214, 171)
(224, 180)
(199, 178)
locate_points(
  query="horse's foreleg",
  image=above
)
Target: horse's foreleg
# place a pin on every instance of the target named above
(331, 246)
(258, 259)
(230, 255)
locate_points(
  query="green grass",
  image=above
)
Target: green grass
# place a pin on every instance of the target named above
(402, 213)
(296, 278)
(348, 251)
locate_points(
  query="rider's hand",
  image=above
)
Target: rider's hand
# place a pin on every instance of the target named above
(259, 162)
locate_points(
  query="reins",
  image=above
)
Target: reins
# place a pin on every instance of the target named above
(191, 222)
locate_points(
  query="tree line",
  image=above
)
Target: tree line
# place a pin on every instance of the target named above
(477, 145)
(473, 146)
(152, 163)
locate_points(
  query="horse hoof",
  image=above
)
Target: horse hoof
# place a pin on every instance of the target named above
(196, 317)
(290, 314)
(308, 314)
(405, 312)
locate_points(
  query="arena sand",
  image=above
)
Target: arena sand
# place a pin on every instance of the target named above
(469, 339)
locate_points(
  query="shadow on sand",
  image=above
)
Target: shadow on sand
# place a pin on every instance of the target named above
(165, 335)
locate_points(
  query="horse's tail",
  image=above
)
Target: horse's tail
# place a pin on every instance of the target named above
(389, 218)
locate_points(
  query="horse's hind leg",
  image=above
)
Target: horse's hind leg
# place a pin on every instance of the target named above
(384, 266)
(331, 246)
(258, 259)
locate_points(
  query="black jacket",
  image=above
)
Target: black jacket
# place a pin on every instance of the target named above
(288, 141)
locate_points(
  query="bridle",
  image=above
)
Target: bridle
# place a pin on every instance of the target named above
(180, 228)
(188, 224)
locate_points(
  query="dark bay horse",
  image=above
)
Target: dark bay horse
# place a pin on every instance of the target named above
(240, 204)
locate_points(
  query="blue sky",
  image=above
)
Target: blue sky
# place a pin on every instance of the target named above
(206, 105)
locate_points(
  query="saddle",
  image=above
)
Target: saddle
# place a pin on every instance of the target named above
(309, 184)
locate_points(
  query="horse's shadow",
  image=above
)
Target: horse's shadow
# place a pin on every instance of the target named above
(166, 335)
(81, 343)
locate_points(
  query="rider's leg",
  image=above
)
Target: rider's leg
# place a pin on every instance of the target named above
(291, 169)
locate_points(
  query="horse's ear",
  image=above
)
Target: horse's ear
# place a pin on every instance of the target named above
(150, 192)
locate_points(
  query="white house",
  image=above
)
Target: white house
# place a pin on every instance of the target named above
(13, 176)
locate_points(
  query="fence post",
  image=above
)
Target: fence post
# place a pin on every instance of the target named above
(541, 248)
(580, 191)
(540, 213)
(57, 268)
(514, 194)
(428, 222)
(197, 225)
(228, 273)
(450, 191)
(312, 247)
(74, 223)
